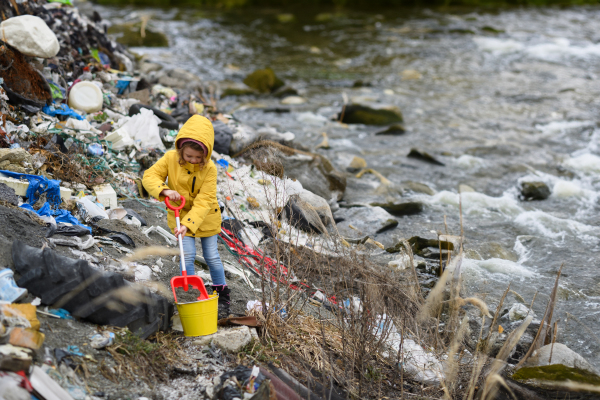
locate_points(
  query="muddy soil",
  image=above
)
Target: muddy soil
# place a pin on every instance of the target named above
(21, 78)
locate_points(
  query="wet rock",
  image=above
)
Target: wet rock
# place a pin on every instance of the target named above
(420, 244)
(360, 83)
(519, 312)
(418, 187)
(8, 195)
(411, 75)
(293, 100)
(309, 212)
(556, 363)
(179, 78)
(270, 133)
(558, 353)
(379, 114)
(401, 208)
(285, 91)
(356, 164)
(535, 190)
(360, 221)
(465, 188)
(229, 88)
(423, 156)
(130, 34)
(316, 174)
(394, 130)
(263, 80)
(147, 67)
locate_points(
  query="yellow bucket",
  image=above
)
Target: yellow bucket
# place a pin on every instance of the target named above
(200, 317)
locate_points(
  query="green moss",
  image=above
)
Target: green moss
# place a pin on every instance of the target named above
(556, 373)
(491, 30)
(263, 80)
(359, 114)
(130, 35)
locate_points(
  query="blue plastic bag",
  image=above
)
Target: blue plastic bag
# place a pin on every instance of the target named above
(60, 216)
(61, 109)
(38, 185)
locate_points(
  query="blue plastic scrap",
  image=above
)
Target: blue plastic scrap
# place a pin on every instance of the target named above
(60, 312)
(61, 109)
(38, 185)
(60, 216)
(223, 163)
(122, 86)
(74, 350)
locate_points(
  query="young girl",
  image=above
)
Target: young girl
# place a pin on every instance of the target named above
(190, 173)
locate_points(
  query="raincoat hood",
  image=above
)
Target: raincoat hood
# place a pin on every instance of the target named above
(198, 128)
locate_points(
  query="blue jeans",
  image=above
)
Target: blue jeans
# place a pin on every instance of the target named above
(210, 253)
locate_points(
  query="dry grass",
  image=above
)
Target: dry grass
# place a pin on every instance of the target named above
(151, 360)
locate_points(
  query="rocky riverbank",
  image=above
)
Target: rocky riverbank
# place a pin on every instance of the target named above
(337, 314)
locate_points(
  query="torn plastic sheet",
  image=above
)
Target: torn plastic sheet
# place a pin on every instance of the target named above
(37, 186)
(74, 241)
(61, 109)
(60, 216)
(169, 237)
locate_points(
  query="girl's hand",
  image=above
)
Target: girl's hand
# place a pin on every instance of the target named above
(171, 194)
(181, 231)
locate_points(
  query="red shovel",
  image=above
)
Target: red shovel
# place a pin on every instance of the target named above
(184, 280)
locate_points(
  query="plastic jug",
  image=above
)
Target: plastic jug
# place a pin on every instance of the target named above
(86, 96)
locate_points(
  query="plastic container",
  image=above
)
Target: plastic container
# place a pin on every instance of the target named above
(86, 96)
(91, 208)
(200, 317)
(9, 291)
(95, 149)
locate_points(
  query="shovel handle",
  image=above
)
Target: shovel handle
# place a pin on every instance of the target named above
(174, 208)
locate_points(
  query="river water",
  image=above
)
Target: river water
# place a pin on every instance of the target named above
(503, 97)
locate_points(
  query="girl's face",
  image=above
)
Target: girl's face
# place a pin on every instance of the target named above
(192, 156)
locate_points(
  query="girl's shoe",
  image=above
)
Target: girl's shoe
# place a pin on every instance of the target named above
(224, 300)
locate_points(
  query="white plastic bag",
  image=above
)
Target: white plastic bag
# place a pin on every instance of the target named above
(143, 129)
(30, 35)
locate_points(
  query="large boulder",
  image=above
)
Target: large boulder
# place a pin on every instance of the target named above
(263, 80)
(309, 212)
(358, 222)
(558, 353)
(313, 171)
(535, 190)
(555, 364)
(316, 174)
(378, 114)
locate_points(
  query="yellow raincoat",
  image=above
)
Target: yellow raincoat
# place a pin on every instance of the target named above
(201, 213)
